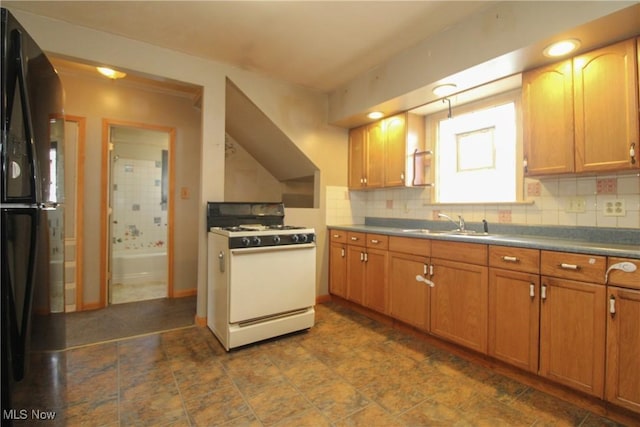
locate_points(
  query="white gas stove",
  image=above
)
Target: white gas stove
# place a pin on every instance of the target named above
(261, 273)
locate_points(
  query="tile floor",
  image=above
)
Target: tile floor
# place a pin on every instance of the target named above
(130, 292)
(348, 370)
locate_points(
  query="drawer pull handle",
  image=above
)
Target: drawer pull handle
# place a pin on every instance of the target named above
(543, 292)
(570, 266)
(336, 236)
(510, 259)
(532, 290)
(375, 241)
(354, 239)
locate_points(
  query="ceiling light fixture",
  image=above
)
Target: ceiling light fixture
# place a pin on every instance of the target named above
(445, 89)
(375, 115)
(111, 73)
(561, 48)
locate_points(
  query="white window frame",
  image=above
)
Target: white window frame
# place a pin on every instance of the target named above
(432, 127)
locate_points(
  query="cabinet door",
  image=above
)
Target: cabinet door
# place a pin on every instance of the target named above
(376, 289)
(338, 269)
(396, 150)
(547, 112)
(514, 309)
(355, 274)
(375, 155)
(606, 108)
(357, 157)
(623, 349)
(572, 334)
(408, 298)
(459, 303)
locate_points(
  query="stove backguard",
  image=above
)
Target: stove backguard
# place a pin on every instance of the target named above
(230, 214)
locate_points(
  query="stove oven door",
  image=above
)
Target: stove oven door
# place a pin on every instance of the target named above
(271, 281)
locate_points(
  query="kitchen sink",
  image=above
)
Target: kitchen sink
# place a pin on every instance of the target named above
(445, 232)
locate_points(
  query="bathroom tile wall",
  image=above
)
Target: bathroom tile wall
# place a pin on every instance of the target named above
(140, 221)
(593, 201)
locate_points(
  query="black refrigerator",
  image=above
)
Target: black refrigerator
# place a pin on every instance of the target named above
(32, 222)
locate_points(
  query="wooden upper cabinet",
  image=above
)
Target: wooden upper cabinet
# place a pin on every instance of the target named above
(357, 156)
(606, 108)
(379, 152)
(547, 106)
(395, 150)
(375, 155)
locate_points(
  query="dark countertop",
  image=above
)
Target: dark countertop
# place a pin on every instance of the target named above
(588, 244)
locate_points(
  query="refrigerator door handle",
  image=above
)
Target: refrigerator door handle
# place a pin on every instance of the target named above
(34, 182)
(49, 206)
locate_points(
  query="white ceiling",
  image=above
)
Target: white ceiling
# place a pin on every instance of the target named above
(316, 44)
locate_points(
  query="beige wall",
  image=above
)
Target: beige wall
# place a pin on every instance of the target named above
(97, 99)
(300, 113)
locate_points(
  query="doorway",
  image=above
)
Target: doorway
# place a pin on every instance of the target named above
(139, 219)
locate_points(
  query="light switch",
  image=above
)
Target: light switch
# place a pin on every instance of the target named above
(184, 193)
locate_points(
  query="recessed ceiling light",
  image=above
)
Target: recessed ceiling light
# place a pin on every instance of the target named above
(445, 89)
(561, 48)
(111, 73)
(375, 115)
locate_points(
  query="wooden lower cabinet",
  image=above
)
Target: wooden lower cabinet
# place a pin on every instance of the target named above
(514, 310)
(459, 303)
(338, 269)
(356, 273)
(376, 274)
(408, 298)
(623, 348)
(572, 334)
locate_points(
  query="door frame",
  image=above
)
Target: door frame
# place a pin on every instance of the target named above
(104, 203)
(81, 123)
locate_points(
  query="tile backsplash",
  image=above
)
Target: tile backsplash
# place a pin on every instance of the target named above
(140, 217)
(593, 201)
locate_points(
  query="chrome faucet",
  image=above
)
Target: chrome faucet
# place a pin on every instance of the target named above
(460, 223)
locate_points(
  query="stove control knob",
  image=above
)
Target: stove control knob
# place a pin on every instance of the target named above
(245, 241)
(303, 237)
(256, 241)
(295, 238)
(276, 239)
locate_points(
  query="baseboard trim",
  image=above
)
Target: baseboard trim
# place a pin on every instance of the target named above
(321, 299)
(201, 321)
(185, 293)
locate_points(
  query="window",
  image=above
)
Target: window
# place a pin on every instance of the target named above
(476, 155)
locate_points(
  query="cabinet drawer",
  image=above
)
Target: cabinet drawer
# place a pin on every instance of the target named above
(623, 278)
(355, 238)
(410, 245)
(338, 236)
(379, 241)
(586, 268)
(470, 253)
(520, 259)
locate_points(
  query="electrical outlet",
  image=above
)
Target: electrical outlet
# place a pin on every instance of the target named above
(576, 205)
(615, 208)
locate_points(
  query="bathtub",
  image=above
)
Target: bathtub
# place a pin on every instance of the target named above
(138, 267)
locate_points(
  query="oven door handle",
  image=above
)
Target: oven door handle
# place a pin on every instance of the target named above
(241, 251)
